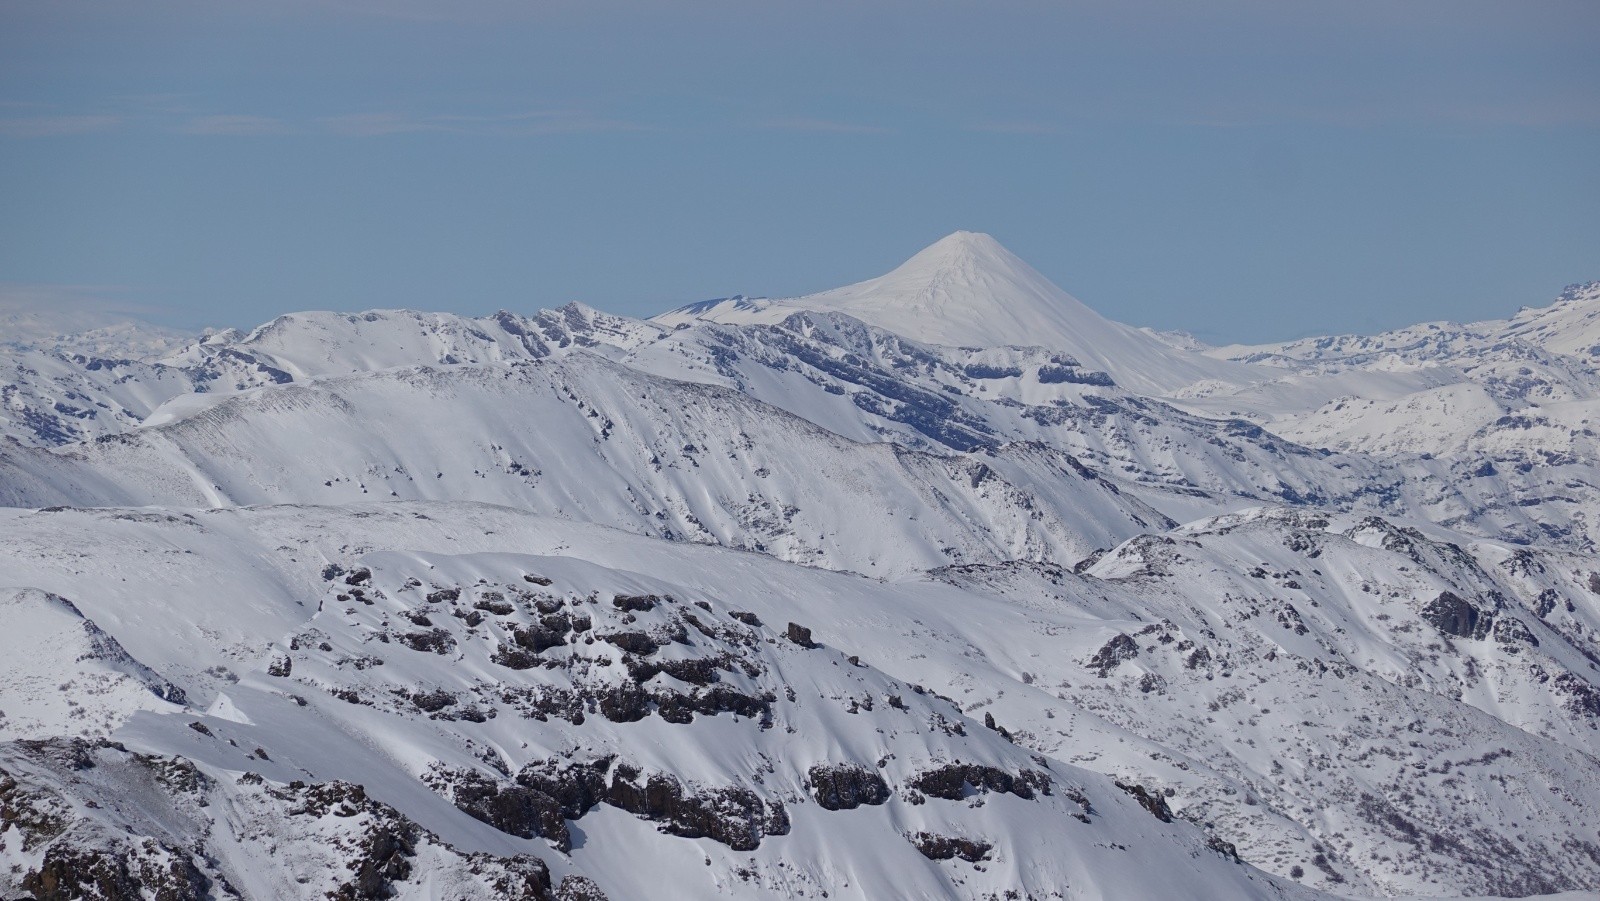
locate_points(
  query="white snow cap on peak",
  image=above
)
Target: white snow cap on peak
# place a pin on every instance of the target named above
(961, 247)
(967, 290)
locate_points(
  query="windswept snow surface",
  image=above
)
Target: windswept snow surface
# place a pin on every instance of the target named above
(940, 585)
(966, 290)
(1468, 390)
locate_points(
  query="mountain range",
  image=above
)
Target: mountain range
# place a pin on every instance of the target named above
(939, 585)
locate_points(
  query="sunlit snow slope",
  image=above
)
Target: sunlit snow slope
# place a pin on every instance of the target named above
(966, 290)
(940, 585)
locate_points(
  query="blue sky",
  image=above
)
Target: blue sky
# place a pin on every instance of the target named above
(1241, 170)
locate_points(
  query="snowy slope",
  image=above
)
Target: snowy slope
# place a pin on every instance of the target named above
(49, 398)
(81, 331)
(1469, 381)
(382, 434)
(407, 661)
(966, 290)
(1571, 325)
(940, 585)
(51, 394)
(59, 667)
(408, 672)
(590, 440)
(306, 345)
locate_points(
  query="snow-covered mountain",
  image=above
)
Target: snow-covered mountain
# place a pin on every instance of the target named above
(1504, 393)
(966, 290)
(43, 323)
(1570, 327)
(940, 585)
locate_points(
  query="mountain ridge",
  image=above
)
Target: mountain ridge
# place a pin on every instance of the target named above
(967, 290)
(571, 606)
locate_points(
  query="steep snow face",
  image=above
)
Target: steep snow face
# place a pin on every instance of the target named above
(1571, 325)
(49, 398)
(1283, 683)
(966, 290)
(591, 440)
(60, 668)
(85, 332)
(658, 720)
(53, 394)
(869, 384)
(1558, 340)
(1350, 662)
(428, 606)
(1031, 415)
(1495, 395)
(313, 344)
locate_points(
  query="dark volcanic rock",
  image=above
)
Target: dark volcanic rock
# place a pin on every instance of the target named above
(70, 872)
(800, 635)
(955, 781)
(632, 642)
(433, 641)
(624, 703)
(696, 670)
(576, 786)
(515, 658)
(1454, 615)
(382, 851)
(36, 816)
(538, 638)
(579, 888)
(497, 606)
(513, 809)
(433, 701)
(1149, 800)
(734, 816)
(637, 603)
(520, 877)
(846, 786)
(1112, 654)
(945, 847)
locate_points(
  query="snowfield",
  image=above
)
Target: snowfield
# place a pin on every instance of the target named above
(936, 586)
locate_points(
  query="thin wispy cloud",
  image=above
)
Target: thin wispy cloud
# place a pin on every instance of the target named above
(366, 125)
(362, 125)
(168, 103)
(1016, 128)
(82, 318)
(86, 305)
(823, 126)
(536, 122)
(29, 297)
(413, 10)
(1544, 112)
(235, 125)
(54, 126)
(151, 112)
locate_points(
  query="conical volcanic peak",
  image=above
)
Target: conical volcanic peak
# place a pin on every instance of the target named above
(965, 289)
(962, 252)
(968, 290)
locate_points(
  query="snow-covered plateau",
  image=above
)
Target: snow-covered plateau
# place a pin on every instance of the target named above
(940, 585)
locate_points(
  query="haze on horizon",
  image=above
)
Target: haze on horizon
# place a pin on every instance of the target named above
(1248, 172)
